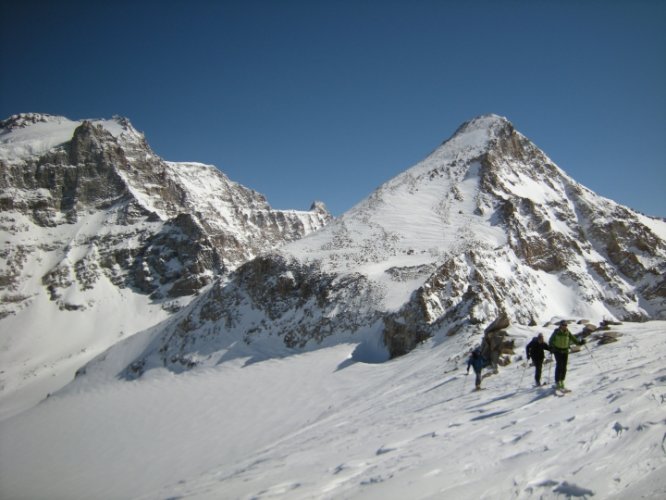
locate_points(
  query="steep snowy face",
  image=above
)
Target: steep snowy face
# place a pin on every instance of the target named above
(91, 218)
(486, 225)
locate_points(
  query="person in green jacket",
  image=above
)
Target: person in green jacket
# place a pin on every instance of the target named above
(559, 343)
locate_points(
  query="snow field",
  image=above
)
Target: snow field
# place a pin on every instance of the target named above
(319, 425)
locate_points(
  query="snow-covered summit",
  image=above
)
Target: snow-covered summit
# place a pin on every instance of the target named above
(478, 131)
(23, 120)
(487, 187)
(427, 207)
(489, 123)
(30, 135)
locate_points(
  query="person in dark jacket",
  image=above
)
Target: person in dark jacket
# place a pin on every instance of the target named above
(476, 361)
(535, 352)
(559, 344)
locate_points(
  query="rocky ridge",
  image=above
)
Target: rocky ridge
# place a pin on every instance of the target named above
(486, 226)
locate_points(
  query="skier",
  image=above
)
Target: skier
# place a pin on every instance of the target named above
(559, 343)
(477, 362)
(535, 352)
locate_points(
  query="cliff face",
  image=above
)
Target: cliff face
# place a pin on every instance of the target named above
(103, 204)
(102, 238)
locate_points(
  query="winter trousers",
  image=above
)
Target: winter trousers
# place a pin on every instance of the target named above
(477, 382)
(538, 365)
(561, 359)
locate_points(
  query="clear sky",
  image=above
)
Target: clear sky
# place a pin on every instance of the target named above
(326, 100)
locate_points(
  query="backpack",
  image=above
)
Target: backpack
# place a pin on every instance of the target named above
(478, 361)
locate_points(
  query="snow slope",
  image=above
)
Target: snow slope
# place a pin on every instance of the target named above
(41, 346)
(416, 218)
(323, 425)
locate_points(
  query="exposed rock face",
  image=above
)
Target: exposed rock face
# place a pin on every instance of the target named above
(290, 303)
(495, 345)
(95, 199)
(499, 324)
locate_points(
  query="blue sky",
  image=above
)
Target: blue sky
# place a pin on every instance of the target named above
(326, 100)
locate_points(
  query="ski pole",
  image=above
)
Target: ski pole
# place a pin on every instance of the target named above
(465, 382)
(593, 359)
(550, 366)
(522, 375)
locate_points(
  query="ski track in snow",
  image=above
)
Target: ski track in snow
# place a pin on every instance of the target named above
(316, 426)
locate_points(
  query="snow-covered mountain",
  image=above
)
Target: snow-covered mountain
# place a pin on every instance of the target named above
(262, 370)
(485, 226)
(102, 238)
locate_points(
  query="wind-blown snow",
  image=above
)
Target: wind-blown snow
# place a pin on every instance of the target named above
(322, 425)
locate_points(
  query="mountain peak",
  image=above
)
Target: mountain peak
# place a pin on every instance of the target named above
(488, 224)
(490, 124)
(488, 121)
(23, 120)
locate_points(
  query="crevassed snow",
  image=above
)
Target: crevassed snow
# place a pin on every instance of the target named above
(323, 425)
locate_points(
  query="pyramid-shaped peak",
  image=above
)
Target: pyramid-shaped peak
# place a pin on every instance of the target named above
(471, 139)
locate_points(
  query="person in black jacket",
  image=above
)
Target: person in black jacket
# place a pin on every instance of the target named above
(478, 362)
(534, 351)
